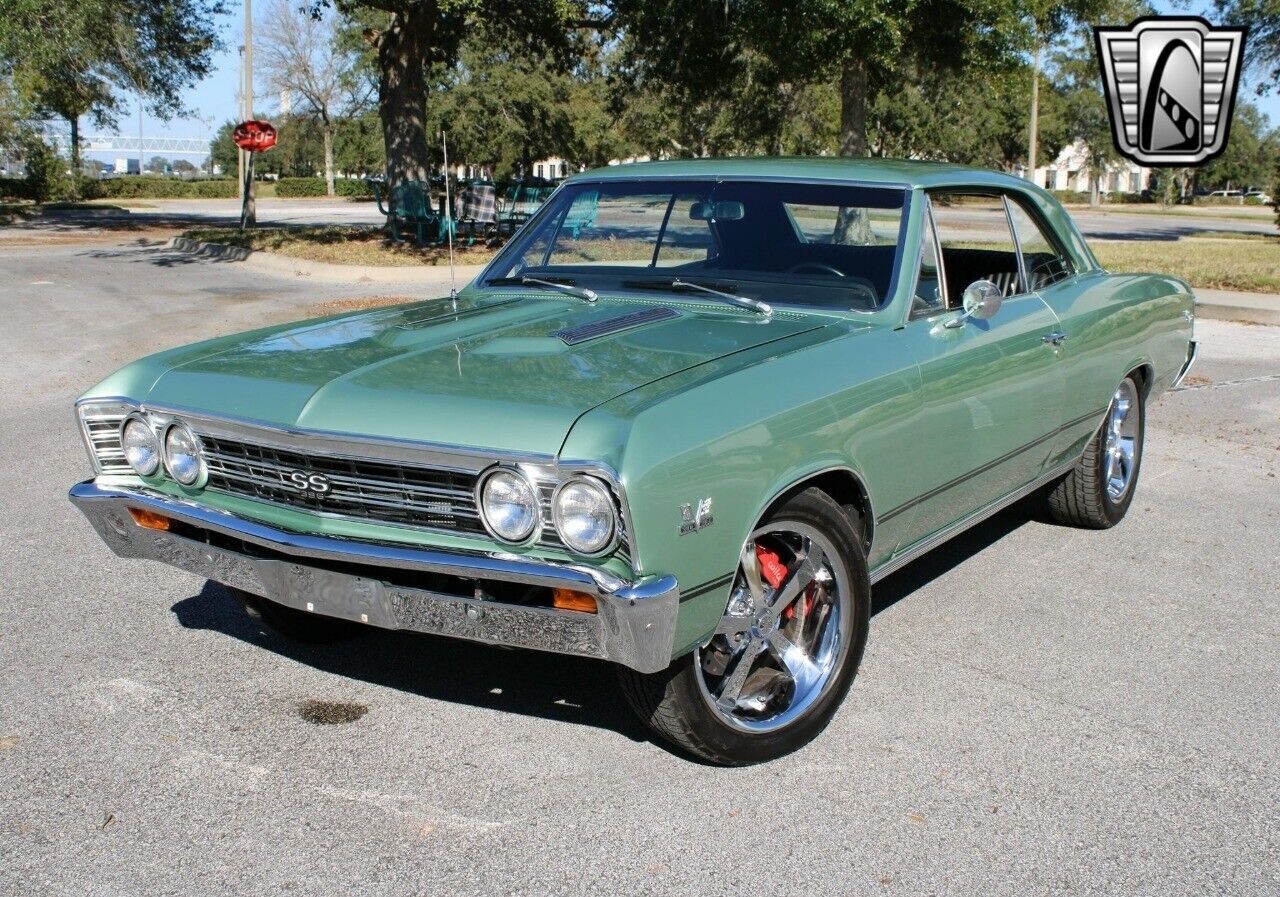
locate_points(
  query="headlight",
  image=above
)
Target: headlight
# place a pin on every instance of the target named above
(182, 455)
(584, 515)
(509, 506)
(141, 448)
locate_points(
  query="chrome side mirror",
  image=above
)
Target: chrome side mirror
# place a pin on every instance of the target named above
(982, 299)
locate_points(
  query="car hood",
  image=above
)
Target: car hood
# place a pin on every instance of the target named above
(493, 372)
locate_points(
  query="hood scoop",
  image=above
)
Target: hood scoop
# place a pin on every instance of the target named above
(583, 332)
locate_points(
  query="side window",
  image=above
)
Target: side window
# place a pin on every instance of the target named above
(928, 298)
(976, 242)
(1045, 264)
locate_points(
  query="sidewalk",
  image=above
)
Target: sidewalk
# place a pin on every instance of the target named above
(1226, 305)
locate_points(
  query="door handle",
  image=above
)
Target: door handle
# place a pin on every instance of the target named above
(1054, 339)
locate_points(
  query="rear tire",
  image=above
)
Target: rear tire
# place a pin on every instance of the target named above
(807, 640)
(293, 624)
(1099, 489)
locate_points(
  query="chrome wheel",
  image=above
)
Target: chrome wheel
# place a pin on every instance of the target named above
(785, 631)
(1120, 444)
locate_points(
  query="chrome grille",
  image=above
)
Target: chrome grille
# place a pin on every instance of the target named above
(379, 491)
(102, 428)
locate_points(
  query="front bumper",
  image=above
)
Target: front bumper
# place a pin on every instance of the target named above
(364, 581)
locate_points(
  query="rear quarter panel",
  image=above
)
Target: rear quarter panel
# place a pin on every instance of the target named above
(1117, 323)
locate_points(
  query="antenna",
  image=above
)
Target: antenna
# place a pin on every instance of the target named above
(448, 204)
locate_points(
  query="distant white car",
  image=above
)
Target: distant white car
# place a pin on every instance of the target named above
(1258, 196)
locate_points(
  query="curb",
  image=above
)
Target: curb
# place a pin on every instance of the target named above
(322, 272)
(1248, 314)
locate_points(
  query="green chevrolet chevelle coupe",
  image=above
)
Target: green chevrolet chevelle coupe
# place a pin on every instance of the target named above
(682, 422)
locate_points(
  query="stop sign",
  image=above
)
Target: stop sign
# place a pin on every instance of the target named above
(254, 135)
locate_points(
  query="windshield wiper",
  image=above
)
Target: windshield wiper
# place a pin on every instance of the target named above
(745, 301)
(580, 292)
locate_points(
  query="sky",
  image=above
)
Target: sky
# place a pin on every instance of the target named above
(214, 99)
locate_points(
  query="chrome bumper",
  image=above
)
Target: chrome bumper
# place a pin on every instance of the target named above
(635, 625)
(1193, 349)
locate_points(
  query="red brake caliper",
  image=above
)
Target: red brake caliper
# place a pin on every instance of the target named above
(774, 572)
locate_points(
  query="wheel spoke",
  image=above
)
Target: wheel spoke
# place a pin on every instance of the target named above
(1110, 473)
(751, 573)
(797, 580)
(795, 661)
(731, 624)
(732, 687)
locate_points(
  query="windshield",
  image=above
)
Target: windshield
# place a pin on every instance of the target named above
(817, 245)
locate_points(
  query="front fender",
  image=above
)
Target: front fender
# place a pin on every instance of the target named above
(739, 432)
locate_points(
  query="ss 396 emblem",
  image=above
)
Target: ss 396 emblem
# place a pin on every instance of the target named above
(306, 482)
(696, 517)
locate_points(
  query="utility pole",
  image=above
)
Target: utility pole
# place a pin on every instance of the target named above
(1035, 112)
(246, 112)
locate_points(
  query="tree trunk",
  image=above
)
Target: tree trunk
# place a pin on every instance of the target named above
(402, 92)
(75, 156)
(853, 227)
(853, 107)
(327, 131)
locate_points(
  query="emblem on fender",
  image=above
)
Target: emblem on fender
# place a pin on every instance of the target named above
(306, 482)
(694, 518)
(1171, 87)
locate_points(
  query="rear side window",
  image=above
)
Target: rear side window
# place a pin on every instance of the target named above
(976, 242)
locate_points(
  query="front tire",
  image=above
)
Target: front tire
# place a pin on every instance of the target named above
(1099, 489)
(787, 648)
(294, 624)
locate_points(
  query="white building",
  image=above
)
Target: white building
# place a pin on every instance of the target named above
(1070, 172)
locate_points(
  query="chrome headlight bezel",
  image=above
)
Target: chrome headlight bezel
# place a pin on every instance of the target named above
(201, 471)
(535, 527)
(606, 495)
(156, 451)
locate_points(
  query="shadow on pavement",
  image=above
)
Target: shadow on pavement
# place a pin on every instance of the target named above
(949, 555)
(547, 686)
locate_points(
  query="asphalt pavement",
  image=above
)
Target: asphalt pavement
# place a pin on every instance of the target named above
(1041, 710)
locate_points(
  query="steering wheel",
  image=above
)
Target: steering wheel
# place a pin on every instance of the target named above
(816, 266)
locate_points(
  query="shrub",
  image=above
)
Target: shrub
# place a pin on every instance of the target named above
(47, 178)
(295, 187)
(15, 188)
(351, 188)
(137, 187)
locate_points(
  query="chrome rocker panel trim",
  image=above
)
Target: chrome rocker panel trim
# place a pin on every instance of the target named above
(635, 625)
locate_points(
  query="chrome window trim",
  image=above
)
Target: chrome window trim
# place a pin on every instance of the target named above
(1017, 244)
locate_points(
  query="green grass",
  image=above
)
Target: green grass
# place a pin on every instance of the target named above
(1247, 265)
(1223, 261)
(350, 245)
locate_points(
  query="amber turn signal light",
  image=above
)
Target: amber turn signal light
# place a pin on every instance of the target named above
(149, 519)
(567, 599)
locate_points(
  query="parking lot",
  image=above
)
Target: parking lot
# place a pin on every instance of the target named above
(1041, 710)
